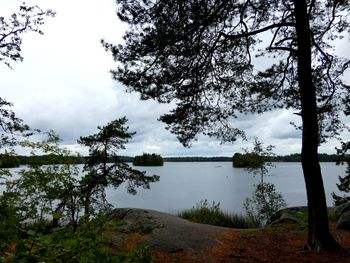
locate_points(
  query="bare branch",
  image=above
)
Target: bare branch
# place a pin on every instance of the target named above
(256, 32)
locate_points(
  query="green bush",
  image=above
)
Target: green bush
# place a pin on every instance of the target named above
(32, 243)
(344, 187)
(264, 202)
(212, 215)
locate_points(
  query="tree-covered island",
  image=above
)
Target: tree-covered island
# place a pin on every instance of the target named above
(8, 161)
(147, 159)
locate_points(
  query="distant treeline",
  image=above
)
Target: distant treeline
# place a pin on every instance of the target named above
(50, 159)
(198, 159)
(296, 157)
(13, 161)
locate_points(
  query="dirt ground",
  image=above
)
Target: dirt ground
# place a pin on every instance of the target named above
(276, 244)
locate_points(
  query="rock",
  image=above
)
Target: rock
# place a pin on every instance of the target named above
(344, 221)
(341, 209)
(285, 219)
(137, 220)
(288, 215)
(117, 241)
(165, 232)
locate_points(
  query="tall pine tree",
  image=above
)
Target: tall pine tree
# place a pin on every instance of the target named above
(199, 54)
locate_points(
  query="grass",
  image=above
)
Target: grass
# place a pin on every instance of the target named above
(212, 215)
(117, 222)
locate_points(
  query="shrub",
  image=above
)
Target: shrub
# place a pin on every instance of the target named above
(212, 215)
(86, 244)
(264, 202)
(344, 187)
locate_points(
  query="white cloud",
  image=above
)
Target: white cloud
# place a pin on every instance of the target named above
(64, 84)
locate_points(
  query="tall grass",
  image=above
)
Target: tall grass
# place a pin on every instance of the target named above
(212, 215)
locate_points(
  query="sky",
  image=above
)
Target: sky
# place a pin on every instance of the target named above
(64, 85)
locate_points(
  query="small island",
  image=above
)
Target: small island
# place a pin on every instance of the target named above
(147, 159)
(8, 161)
(247, 160)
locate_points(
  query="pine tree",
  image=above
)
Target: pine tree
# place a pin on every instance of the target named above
(344, 187)
(199, 54)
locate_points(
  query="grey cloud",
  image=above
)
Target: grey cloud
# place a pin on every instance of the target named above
(64, 85)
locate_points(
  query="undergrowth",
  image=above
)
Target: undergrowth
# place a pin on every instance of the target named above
(211, 214)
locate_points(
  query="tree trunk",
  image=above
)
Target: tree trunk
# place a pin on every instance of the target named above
(319, 237)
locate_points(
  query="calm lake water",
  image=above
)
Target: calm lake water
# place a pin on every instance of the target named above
(182, 185)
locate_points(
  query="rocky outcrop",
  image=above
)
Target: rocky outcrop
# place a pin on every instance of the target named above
(289, 215)
(341, 209)
(164, 232)
(342, 212)
(299, 215)
(136, 220)
(344, 221)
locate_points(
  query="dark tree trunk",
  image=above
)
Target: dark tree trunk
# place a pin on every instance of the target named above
(319, 237)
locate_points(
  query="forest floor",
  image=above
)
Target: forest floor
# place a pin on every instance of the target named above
(177, 240)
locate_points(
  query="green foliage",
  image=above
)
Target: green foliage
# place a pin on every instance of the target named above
(147, 159)
(103, 147)
(258, 162)
(344, 187)
(55, 192)
(205, 213)
(211, 76)
(86, 244)
(27, 19)
(138, 255)
(42, 208)
(10, 125)
(264, 202)
(10, 227)
(46, 191)
(64, 245)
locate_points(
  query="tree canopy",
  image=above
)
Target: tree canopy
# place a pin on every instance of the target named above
(200, 55)
(27, 19)
(103, 147)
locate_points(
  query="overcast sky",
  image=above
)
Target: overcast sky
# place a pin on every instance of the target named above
(64, 85)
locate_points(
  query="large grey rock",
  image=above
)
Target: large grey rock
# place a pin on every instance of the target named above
(166, 232)
(135, 220)
(341, 209)
(287, 215)
(344, 221)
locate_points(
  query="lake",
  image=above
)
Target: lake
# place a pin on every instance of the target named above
(183, 184)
